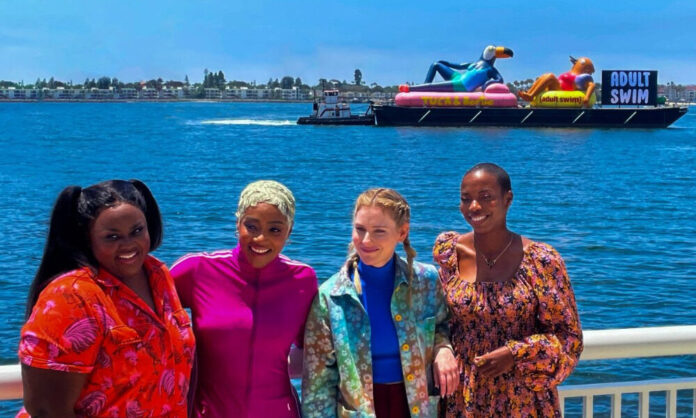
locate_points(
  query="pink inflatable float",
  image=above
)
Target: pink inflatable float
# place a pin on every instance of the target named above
(496, 95)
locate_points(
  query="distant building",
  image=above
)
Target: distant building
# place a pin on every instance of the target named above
(353, 96)
(212, 93)
(148, 94)
(382, 96)
(232, 93)
(166, 93)
(301, 94)
(100, 94)
(260, 94)
(247, 93)
(678, 93)
(286, 94)
(61, 93)
(127, 93)
(18, 93)
(690, 93)
(171, 93)
(290, 94)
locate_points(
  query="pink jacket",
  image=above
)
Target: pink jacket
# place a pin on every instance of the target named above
(245, 320)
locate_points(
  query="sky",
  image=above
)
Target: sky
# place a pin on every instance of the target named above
(391, 42)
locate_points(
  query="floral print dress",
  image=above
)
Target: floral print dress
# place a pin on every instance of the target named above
(533, 313)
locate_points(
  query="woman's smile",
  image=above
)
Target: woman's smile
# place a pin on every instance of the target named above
(375, 235)
(259, 250)
(263, 231)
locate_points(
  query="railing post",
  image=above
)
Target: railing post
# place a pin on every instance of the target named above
(644, 404)
(616, 404)
(588, 406)
(671, 403)
(10, 382)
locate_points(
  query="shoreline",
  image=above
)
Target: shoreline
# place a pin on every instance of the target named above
(235, 100)
(5, 100)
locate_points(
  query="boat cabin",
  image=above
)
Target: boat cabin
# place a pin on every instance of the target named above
(330, 107)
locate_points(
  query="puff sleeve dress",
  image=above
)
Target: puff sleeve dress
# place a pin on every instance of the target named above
(533, 313)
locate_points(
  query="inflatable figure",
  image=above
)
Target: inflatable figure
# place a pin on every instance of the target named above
(465, 77)
(579, 78)
(495, 95)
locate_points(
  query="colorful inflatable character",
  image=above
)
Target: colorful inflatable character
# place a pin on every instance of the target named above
(579, 78)
(465, 77)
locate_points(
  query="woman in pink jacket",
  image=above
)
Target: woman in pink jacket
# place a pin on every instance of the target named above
(249, 306)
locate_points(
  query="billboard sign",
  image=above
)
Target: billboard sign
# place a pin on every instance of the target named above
(629, 87)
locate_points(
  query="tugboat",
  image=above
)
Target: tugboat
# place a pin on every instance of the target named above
(332, 112)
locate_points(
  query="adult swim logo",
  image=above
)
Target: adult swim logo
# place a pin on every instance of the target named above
(554, 99)
(629, 87)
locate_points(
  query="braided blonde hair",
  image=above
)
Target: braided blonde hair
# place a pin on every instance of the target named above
(393, 204)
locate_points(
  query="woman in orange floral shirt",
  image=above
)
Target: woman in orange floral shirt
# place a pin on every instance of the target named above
(514, 323)
(105, 334)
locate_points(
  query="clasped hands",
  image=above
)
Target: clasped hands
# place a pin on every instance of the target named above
(446, 368)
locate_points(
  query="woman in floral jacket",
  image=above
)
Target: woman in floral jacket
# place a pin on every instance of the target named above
(376, 340)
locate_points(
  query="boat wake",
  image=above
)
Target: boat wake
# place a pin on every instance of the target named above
(259, 122)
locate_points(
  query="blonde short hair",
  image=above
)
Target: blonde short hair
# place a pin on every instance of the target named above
(267, 191)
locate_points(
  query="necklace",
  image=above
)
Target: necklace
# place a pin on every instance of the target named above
(491, 262)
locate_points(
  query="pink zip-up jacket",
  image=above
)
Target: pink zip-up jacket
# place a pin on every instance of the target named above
(245, 320)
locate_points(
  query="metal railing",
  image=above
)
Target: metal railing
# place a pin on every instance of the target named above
(642, 388)
(10, 382)
(599, 345)
(635, 343)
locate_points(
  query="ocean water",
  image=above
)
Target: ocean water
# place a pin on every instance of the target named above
(617, 204)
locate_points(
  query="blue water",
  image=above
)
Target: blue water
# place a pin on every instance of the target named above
(617, 204)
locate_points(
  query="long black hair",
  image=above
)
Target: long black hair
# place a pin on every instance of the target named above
(67, 246)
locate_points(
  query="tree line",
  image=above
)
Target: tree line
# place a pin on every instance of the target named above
(211, 79)
(217, 80)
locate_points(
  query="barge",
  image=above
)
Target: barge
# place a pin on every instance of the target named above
(496, 106)
(595, 117)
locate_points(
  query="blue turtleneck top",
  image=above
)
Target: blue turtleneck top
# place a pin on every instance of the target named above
(378, 286)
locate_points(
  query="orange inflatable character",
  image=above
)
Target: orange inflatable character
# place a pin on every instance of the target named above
(578, 78)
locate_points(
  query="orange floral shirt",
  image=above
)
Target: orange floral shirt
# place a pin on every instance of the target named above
(139, 361)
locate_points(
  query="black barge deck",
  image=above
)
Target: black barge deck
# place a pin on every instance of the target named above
(599, 117)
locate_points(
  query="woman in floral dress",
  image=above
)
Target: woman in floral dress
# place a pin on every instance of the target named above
(514, 324)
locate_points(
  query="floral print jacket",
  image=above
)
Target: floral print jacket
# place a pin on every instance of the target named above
(337, 380)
